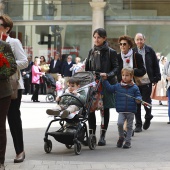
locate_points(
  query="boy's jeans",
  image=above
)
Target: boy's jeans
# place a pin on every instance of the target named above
(121, 119)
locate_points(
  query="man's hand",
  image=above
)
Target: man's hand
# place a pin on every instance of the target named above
(23, 73)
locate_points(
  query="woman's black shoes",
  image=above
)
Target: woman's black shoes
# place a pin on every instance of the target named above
(160, 103)
(34, 100)
(19, 158)
(102, 141)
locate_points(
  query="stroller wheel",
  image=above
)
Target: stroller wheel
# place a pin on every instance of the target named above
(77, 148)
(50, 98)
(68, 146)
(92, 141)
(48, 146)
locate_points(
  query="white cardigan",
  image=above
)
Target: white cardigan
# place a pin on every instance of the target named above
(20, 56)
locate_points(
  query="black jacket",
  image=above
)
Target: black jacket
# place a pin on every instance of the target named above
(152, 66)
(109, 65)
(57, 68)
(65, 70)
(138, 65)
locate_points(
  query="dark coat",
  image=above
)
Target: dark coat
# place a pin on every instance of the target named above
(65, 71)
(109, 65)
(139, 70)
(57, 68)
(152, 66)
(28, 70)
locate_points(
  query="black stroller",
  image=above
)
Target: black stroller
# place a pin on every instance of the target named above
(74, 131)
(51, 87)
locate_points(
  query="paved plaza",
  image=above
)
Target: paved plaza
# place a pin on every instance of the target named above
(150, 149)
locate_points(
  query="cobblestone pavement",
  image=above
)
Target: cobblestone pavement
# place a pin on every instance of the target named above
(150, 149)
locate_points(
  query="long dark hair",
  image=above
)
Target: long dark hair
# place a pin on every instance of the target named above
(43, 58)
(101, 31)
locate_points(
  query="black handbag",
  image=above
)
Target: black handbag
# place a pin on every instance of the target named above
(26, 76)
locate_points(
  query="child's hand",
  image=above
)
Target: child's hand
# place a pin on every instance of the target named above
(74, 92)
(103, 75)
(138, 101)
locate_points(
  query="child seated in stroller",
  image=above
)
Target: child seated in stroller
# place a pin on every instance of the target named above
(68, 104)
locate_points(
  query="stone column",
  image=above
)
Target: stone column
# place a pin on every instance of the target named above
(97, 13)
(1, 7)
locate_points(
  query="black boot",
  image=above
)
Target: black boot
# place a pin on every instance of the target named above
(102, 140)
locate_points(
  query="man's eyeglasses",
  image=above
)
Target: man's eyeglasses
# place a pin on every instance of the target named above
(122, 44)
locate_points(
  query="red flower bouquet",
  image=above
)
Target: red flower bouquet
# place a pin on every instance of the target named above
(4, 65)
(128, 60)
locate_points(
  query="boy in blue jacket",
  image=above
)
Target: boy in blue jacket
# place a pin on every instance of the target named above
(126, 106)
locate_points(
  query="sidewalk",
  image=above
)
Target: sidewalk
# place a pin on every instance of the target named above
(150, 149)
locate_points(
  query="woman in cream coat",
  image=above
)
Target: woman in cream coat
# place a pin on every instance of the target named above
(14, 114)
(159, 90)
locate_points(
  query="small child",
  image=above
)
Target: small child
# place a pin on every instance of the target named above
(59, 85)
(68, 104)
(125, 105)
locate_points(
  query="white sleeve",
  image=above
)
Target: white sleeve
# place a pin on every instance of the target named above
(21, 58)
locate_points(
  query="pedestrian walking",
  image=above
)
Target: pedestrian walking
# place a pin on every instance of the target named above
(125, 106)
(153, 72)
(102, 59)
(14, 113)
(5, 92)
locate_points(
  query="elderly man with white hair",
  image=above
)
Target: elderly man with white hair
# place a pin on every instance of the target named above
(65, 71)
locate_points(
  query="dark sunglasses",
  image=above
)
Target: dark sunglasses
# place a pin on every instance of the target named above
(122, 44)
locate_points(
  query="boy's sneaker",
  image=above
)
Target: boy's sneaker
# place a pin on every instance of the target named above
(2, 167)
(120, 142)
(54, 112)
(127, 145)
(65, 114)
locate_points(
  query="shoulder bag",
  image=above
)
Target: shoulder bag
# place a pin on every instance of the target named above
(142, 80)
(14, 84)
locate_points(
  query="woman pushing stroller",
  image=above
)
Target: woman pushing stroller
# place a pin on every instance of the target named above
(102, 59)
